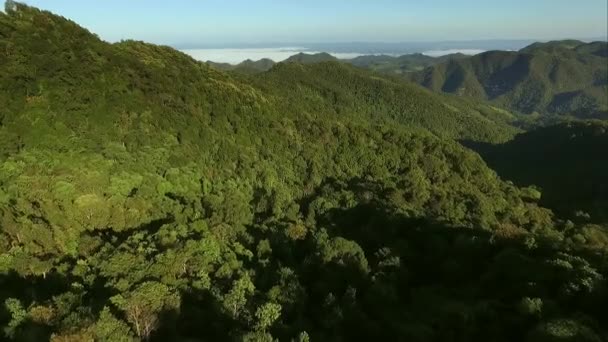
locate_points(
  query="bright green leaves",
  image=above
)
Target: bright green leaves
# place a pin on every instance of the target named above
(266, 315)
(93, 211)
(125, 184)
(143, 305)
(181, 182)
(109, 328)
(18, 316)
(234, 302)
(6, 262)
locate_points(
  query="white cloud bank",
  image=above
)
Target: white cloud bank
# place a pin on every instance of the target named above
(439, 53)
(235, 56)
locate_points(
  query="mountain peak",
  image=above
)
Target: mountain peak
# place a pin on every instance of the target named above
(554, 45)
(306, 58)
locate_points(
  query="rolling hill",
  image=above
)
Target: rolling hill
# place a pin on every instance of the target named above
(555, 78)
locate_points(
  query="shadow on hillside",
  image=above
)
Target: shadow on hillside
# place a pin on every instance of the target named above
(29, 290)
(569, 167)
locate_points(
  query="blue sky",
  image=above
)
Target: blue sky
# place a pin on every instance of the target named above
(209, 22)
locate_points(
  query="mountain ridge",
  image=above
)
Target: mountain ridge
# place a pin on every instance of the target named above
(554, 78)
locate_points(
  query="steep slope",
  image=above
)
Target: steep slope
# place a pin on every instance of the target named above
(567, 162)
(556, 78)
(147, 197)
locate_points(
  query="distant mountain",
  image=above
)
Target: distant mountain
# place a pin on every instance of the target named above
(256, 66)
(554, 78)
(553, 46)
(567, 161)
(598, 48)
(306, 58)
(390, 65)
(221, 66)
(246, 67)
(401, 64)
(403, 48)
(251, 67)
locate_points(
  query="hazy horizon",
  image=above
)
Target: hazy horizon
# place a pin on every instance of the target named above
(238, 30)
(278, 53)
(268, 23)
(236, 56)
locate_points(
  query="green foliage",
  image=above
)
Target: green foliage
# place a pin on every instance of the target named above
(109, 328)
(18, 316)
(267, 314)
(143, 305)
(234, 302)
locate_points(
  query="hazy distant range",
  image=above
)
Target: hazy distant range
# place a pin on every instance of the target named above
(280, 52)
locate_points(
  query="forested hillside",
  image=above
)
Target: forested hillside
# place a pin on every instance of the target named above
(346, 92)
(147, 196)
(555, 78)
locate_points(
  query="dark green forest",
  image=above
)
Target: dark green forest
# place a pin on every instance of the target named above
(145, 196)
